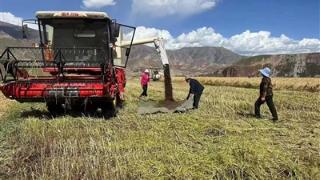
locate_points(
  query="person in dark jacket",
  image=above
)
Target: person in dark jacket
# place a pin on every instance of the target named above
(195, 91)
(266, 95)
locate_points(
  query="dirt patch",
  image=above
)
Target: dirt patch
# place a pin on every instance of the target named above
(153, 107)
(171, 105)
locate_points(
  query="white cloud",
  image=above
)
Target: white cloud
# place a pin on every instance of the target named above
(10, 18)
(263, 43)
(95, 4)
(143, 32)
(161, 8)
(246, 43)
(198, 38)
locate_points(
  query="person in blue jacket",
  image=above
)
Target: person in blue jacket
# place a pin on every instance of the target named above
(195, 91)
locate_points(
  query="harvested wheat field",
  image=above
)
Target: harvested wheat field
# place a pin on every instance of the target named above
(221, 140)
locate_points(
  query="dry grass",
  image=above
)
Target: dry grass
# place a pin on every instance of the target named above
(296, 84)
(221, 140)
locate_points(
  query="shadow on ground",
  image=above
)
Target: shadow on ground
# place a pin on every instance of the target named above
(45, 115)
(246, 114)
(154, 107)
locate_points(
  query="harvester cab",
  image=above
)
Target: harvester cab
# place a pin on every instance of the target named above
(77, 64)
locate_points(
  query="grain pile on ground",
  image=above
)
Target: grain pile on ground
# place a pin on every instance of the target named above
(149, 107)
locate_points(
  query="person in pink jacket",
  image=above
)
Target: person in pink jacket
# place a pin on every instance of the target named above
(144, 80)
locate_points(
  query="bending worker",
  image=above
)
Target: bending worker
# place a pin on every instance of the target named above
(266, 94)
(195, 91)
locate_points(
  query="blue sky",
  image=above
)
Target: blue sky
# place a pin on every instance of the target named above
(288, 21)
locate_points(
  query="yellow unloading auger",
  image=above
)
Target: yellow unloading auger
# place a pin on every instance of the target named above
(159, 45)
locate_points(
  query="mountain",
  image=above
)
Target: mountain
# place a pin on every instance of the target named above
(191, 60)
(11, 36)
(16, 31)
(8, 41)
(197, 61)
(218, 61)
(285, 65)
(5, 35)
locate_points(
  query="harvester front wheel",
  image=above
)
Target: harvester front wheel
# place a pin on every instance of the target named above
(55, 109)
(119, 101)
(108, 109)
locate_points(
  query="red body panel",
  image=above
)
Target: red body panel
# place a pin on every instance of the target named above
(121, 79)
(38, 91)
(55, 70)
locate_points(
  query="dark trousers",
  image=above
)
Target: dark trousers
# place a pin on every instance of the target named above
(270, 104)
(145, 89)
(196, 99)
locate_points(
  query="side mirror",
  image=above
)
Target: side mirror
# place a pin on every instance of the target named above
(25, 28)
(25, 31)
(115, 30)
(128, 51)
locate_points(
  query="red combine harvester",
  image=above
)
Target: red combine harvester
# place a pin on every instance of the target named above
(77, 65)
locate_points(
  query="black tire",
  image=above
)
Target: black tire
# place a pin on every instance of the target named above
(119, 102)
(108, 109)
(55, 109)
(89, 108)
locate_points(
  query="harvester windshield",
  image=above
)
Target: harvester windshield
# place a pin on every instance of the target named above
(79, 33)
(83, 40)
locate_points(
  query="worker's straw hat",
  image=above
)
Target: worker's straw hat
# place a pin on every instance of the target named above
(265, 71)
(147, 71)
